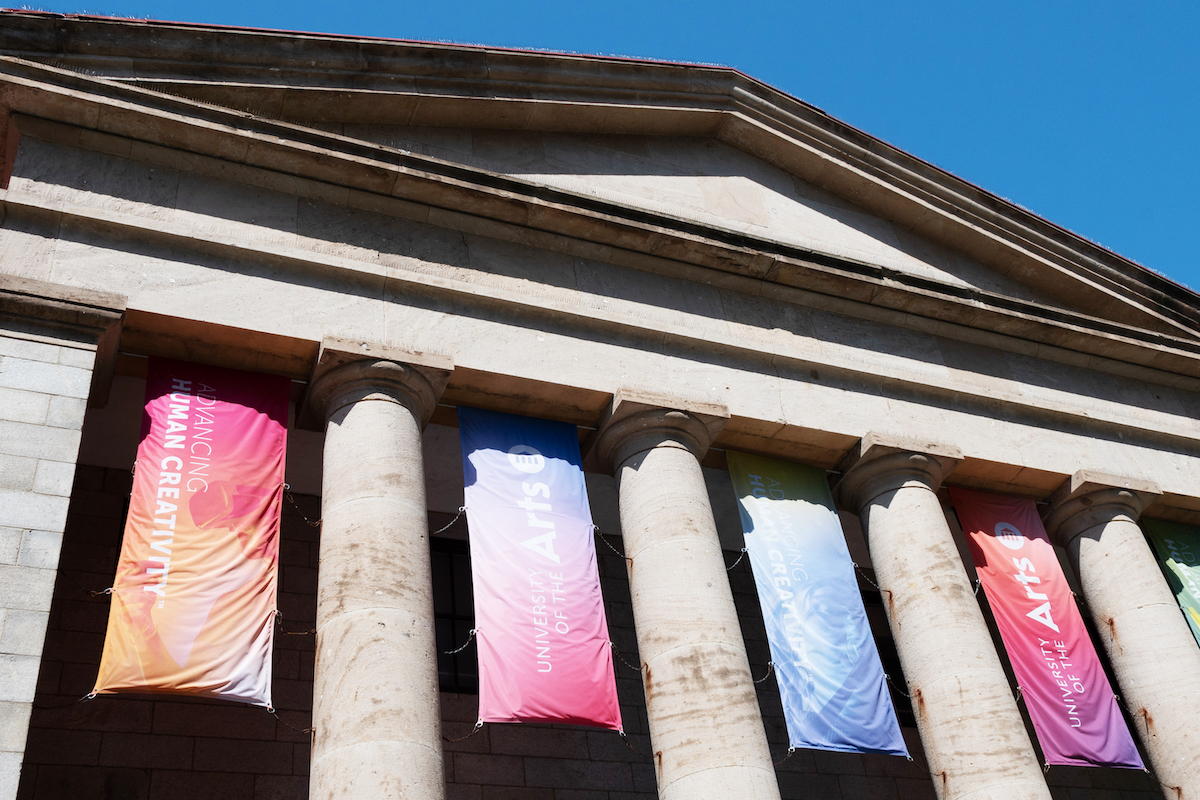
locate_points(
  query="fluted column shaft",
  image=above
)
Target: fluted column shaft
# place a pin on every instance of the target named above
(706, 728)
(971, 730)
(1149, 644)
(376, 710)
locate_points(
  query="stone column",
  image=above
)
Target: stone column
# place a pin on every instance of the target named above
(376, 712)
(706, 728)
(974, 738)
(1149, 644)
(57, 352)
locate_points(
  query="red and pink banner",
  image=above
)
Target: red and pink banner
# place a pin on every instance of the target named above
(1066, 691)
(193, 602)
(544, 651)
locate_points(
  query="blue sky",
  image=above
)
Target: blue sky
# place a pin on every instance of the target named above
(1085, 113)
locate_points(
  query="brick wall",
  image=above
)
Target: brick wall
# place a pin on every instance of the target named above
(43, 389)
(141, 747)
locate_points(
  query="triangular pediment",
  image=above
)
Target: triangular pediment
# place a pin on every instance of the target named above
(699, 165)
(704, 181)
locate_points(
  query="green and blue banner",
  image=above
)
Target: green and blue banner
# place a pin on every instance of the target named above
(831, 681)
(1178, 549)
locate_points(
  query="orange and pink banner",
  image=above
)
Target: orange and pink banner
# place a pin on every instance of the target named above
(1062, 681)
(193, 603)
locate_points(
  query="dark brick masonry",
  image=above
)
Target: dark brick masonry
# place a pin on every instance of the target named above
(143, 747)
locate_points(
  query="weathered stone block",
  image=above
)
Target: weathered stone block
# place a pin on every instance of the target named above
(40, 549)
(38, 376)
(66, 412)
(23, 632)
(10, 773)
(17, 405)
(27, 350)
(78, 357)
(38, 441)
(17, 473)
(25, 587)
(14, 723)
(32, 511)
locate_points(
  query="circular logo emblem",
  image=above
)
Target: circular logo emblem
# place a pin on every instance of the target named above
(526, 459)
(1009, 536)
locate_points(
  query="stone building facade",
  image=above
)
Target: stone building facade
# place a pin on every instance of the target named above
(677, 259)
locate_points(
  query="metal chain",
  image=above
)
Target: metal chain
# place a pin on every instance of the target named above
(286, 724)
(865, 578)
(475, 730)
(604, 539)
(461, 510)
(621, 658)
(739, 560)
(457, 650)
(279, 622)
(894, 686)
(287, 493)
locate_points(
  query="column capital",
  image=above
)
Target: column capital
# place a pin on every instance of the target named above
(880, 463)
(1088, 499)
(638, 421)
(347, 371)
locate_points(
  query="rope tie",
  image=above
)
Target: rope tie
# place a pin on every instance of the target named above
(457, 650)
(98, 592)
(770, 669)
(790, 750)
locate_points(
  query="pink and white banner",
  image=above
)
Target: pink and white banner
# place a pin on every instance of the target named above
(1066, 691)
(544, 651)
(193, 602)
